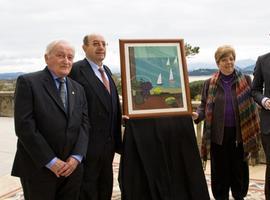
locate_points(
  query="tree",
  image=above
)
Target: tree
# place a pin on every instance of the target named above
(117, 80)
(191, 51)
(196, 89)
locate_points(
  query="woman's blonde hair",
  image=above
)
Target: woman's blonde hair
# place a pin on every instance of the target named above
(224, 51)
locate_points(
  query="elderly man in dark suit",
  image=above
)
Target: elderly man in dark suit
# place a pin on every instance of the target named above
(51, 123)
(261, 94)
(104, 117)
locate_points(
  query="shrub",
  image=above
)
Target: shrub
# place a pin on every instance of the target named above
(196, 89)
(171, 101)
(157, 90)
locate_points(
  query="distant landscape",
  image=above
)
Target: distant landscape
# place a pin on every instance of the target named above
(10, 76)
(205, 69)
(206, 72)
(194, 69)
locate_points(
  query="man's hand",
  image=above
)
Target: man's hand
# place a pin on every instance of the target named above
(71, 165)
(267, 104)
(57, 167)
(125, 117)
(195, 115)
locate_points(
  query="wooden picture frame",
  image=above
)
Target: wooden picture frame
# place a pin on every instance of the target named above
(154, 78)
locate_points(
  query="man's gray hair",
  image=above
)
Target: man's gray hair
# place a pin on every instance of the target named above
(51, 46)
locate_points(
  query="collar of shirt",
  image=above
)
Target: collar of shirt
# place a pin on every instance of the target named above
(95, 67)
(55, 79)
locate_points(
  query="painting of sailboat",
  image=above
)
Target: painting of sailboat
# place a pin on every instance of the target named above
(159, 79)
(171, 79)
(154, 78)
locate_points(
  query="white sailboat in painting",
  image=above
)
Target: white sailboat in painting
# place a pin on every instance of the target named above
(175, 60)
(159, 80)
(168, 62)
(171, 79)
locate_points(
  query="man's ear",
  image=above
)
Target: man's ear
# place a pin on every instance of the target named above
(84, 47)
(46, 57)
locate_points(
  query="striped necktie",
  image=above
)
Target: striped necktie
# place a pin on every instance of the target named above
(104, 79)
(62, 91)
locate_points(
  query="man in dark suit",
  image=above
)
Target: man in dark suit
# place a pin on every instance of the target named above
(104, 117)
(261, 94)
(51, 123)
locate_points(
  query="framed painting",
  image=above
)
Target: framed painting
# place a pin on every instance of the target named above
(154, 78)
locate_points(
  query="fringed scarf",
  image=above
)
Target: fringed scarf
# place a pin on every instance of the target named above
(248, 115)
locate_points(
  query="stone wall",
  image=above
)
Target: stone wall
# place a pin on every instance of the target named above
(7, 110)
(6, 104)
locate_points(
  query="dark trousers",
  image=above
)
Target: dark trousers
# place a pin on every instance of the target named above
(228, 168)
(98, 177)
(266, 147)
(44, 185)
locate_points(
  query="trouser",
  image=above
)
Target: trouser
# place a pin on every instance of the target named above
(98, 176)
(266, 147)
(229, 170)
(44, 185)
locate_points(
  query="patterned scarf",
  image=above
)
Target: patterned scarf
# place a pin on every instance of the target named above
(248, 115)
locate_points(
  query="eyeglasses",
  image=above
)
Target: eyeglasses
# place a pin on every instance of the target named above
(64, 56)
(99, 43)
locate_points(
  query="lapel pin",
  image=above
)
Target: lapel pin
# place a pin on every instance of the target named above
(73, 92)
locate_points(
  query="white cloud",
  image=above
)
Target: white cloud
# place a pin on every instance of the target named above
(28, 26)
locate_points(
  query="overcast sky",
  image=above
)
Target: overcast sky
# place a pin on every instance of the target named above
(27, 26)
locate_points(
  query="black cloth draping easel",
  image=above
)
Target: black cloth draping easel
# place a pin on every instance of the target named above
(160, 161)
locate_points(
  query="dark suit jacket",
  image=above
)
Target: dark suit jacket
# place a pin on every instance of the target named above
(261, 89)
(43, 128)
(101, 108)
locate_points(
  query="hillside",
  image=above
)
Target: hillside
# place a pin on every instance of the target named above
(244, 63)
(206, 72)
(199, 71)
(10, 76)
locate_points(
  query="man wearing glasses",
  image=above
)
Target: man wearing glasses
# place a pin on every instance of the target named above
(104, 117)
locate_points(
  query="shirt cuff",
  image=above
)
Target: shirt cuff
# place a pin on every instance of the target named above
(263, 101)
(51, 163)
(77, 157)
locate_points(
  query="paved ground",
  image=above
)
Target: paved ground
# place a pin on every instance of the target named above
(10, 186)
